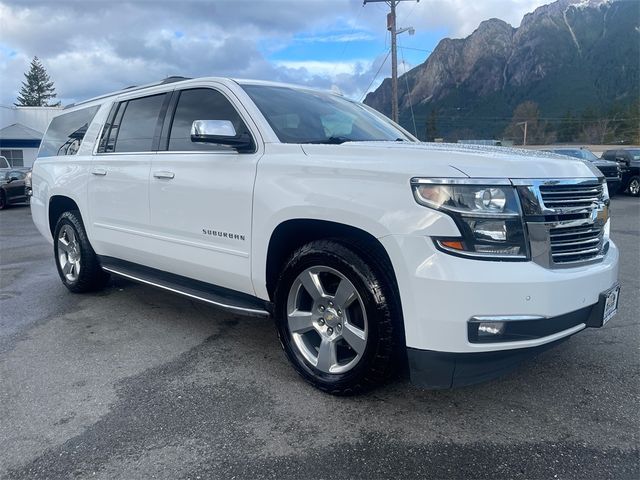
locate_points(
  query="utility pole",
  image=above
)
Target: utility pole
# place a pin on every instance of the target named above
(391, 26)
(524, 128)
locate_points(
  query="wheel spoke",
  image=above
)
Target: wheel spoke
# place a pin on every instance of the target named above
(71, 236)
(63, 245)
(326, 356)
(311, 283)
(300, 322)
(354, 337)
(66, 268)
(345, 294)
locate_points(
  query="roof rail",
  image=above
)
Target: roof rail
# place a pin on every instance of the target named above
(133, 88)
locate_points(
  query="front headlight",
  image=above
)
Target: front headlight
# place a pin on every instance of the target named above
(487, 213)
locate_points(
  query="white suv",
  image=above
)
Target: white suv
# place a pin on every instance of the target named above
(367, 247)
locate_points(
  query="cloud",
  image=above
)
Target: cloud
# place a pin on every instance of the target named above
(92, 47)
(338, 38)
(324, 68)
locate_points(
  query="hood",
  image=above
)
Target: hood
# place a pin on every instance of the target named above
(476, 161)
(604, 163)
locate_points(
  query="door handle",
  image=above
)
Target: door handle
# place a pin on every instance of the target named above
(99, 171)
(167, 175)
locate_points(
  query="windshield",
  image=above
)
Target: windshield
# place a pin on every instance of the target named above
(305, 116)
(581, 153)
(4, 163)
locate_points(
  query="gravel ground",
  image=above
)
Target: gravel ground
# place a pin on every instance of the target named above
(134, 382)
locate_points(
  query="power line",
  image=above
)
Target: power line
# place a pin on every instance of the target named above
(376, 75)
(355, 22)
(413, 117)
(417, 49)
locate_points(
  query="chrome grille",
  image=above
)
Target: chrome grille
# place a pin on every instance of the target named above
(574, 244)
(560, 196)
(565, 220)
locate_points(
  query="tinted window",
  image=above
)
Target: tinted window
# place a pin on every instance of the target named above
(138, 125)
(609, 155)
(201, 104)
(305, 116)
(66, 132)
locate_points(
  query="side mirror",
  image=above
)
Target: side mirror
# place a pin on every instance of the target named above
(221, 132)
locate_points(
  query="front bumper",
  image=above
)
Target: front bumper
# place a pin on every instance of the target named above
(439, 370)
(441, 293)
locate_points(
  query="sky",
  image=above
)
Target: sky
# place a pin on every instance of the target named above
(94, 47)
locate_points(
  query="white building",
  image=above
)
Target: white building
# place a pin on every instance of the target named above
(21, 130)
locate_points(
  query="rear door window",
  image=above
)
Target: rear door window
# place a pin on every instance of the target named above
(66, 132)
(139, 125)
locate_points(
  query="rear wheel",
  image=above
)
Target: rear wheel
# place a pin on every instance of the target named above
(334, 318)
(634, 186)
(77, 263)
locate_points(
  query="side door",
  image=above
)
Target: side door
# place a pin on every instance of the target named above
(201, 193)
(15, 187)
(118, 189)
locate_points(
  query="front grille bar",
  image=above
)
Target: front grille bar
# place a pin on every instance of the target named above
(565, 220)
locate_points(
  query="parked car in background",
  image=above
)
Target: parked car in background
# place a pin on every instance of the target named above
(13, 188)
(611, 170)
(629, 161)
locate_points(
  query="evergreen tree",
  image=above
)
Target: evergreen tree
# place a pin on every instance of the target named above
(38, 88)
(432, 126)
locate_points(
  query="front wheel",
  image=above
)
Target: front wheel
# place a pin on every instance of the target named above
(77, 263)
(334, 315)
(634, 186)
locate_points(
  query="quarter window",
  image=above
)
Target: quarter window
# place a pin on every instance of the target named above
(201, 104)
(137, 128)
(66, 132)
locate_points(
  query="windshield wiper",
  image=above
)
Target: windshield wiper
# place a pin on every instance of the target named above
(332, 141)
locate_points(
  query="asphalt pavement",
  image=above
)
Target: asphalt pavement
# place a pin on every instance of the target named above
(134, 382)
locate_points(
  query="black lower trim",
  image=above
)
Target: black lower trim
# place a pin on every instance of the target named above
(221, 297)
(440, 370)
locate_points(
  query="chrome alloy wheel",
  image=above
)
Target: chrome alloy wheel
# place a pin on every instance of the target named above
(69, 253)
(327, 319)
(634, 186)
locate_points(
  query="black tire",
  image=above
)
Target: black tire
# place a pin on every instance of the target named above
(382, 312)
(90, 276)
(3, 200)
(634, 186)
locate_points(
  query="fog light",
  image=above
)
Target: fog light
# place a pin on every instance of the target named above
(487, 329)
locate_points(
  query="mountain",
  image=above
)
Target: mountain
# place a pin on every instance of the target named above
(578, 56)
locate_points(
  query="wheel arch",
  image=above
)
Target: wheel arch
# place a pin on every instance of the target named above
(292, 234)
(58, 204)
